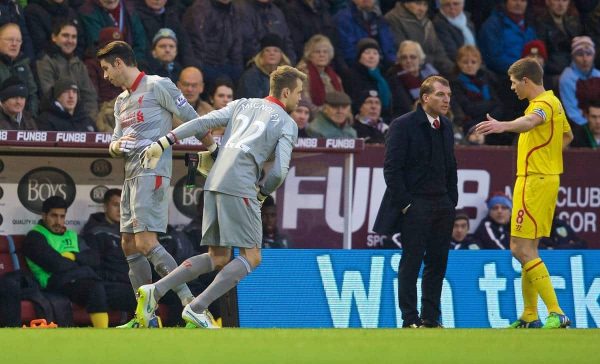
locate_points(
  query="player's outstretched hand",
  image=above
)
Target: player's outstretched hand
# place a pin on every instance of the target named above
(489, 126)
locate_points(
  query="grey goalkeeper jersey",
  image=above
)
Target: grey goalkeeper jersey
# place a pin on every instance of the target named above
(146, 113)
(256, 130)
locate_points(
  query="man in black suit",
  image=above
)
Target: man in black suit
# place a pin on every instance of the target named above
(420, 174)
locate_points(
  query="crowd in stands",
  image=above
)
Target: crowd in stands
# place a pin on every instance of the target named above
(373, 52)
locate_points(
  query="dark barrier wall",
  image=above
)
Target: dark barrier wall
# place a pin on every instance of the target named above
(358, 288)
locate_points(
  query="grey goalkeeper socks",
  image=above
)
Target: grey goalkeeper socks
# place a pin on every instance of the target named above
(164, 264)
(190, 269)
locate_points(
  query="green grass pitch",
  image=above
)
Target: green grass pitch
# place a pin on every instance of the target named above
(264, 346)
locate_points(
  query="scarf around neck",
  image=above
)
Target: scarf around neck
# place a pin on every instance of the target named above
(317, 86)
(461, 23)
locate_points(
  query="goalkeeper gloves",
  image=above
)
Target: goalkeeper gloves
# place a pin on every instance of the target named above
(206, 159)
(261, 197)
(151, 155)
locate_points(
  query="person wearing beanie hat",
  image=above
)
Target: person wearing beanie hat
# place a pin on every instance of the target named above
(494, 230)
(14, 62)
(366, 75)
(368, 122)
(556, 28)
(13, 96)
(461, 239)
(334, 120)
(581, 68)
(536, 49)
(164, 53)
(60, 60)
(254, 82)
(63, 112)
(302, 116)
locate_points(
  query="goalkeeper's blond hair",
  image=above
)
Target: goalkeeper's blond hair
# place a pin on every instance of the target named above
(285, 77)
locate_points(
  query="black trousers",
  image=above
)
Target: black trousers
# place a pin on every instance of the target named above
(426, 233)
(10, 303)
(86, 292)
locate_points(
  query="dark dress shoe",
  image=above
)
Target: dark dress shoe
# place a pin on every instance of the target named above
(431, 324)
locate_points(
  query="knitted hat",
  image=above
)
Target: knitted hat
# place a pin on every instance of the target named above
(337, 98)
(364, 95)
(499, 199)
(271, 40)
(13, 87)
(583, 42)
(63, 85)
(365, 44)
(109, 34)
(536, 48)
(163, 33)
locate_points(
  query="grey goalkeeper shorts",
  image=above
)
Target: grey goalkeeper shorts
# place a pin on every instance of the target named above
(145, 204)
(231, 221)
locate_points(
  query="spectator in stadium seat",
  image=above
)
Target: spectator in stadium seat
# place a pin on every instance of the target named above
(13, 96)
(41, 15)
(11, 12)
(473, 93)
(53, 255)
(262, 17)
(107, 92)
(581, 68)
(105, 120)
(102, 235)
(63, 112)
(562, 236)
(408, 21)
(360, 20)
(555, 27)
(60, 61)
(503, 35)
(98, 14)
(461, 239)
(366, 74)
(15, 63)
(368, 122)
(255, 79)
(216, 38)
(406, 76)
(307, 18)
(221, 94)
(322, 78)
(588, 135)
(494, 230)
(272, 237)
(163, 60)
(191, 84)
(302, 116)
(590, 13)
(159, 14)
(454, 27)
(334, 121)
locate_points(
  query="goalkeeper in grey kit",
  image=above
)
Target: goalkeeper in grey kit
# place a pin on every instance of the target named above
(256, 130)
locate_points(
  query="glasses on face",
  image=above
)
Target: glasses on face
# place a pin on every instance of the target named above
(13, 40)
(408, 56)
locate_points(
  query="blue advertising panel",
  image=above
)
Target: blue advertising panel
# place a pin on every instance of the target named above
(358, 288)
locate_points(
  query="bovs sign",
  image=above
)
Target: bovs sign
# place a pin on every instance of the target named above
(39, 184)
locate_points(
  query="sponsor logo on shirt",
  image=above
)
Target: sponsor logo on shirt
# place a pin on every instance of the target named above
(180, 101)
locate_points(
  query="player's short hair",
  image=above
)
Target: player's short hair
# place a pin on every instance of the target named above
(527, 67)
(54, 202)
(110, 193)
(285, 77)
(117, 49)
(427, 85)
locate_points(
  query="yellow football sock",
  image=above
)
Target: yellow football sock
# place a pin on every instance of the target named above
(99, 319)
(530, 298)
(540, 279)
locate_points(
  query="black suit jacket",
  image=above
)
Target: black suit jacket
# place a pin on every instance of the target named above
(407, 162)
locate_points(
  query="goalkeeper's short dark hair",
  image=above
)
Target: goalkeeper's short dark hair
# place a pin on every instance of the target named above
(54, 202)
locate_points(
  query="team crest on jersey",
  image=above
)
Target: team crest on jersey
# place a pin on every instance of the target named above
(140, 100)
(180, 101)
